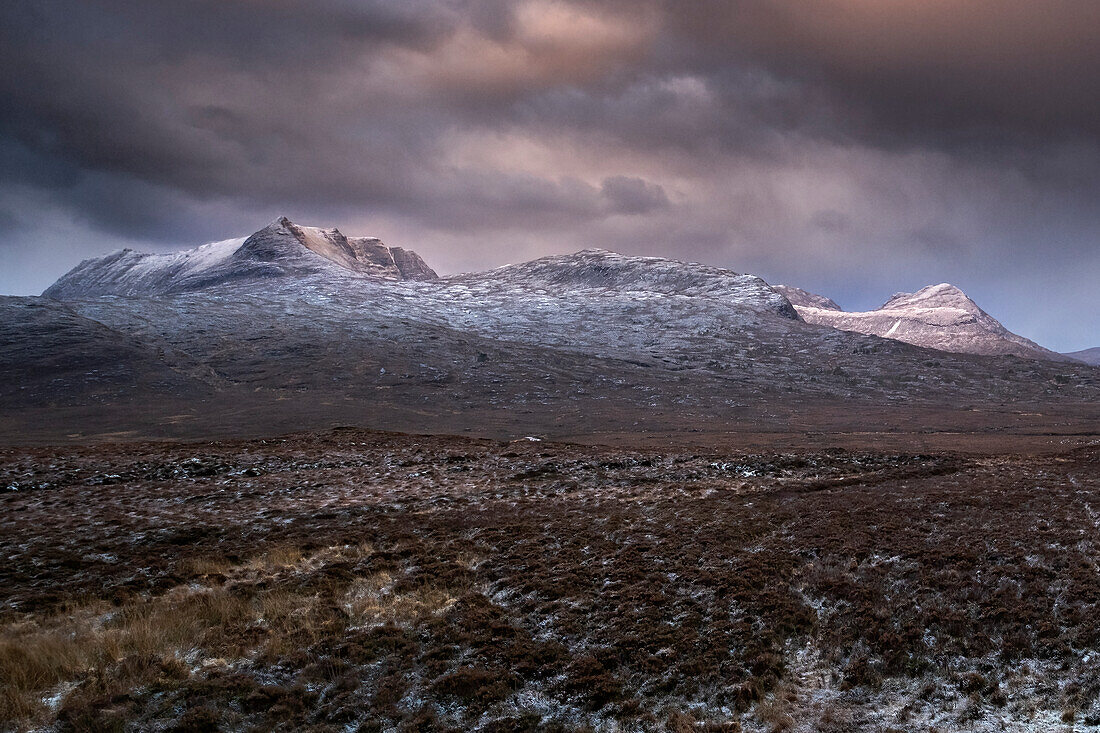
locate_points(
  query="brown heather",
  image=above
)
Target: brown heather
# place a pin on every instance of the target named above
(357, 580)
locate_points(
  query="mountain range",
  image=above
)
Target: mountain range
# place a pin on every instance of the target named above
(938, 317)
(298, 326)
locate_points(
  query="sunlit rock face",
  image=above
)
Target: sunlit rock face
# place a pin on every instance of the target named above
(365, 255)
(937, 317)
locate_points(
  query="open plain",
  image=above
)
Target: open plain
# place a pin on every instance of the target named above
(353, 579)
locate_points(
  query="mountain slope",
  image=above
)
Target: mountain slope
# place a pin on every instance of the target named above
(280, 249)
(1089, 356)
(52, 356)
(937, 317)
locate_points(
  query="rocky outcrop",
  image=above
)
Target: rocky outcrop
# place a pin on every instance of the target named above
(366, 255)
(805, 298)
(410, 264)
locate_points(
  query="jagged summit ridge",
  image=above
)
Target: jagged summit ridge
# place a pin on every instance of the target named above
(939, 317)
(360, 254)
(280, 249)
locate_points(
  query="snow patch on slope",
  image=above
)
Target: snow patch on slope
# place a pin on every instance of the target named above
(126, 272)
(187, 262)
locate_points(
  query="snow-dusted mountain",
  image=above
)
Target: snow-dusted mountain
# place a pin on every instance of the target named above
(298, 327)
(282, 248)
(593, 299)
(600, 270)
(937, 317)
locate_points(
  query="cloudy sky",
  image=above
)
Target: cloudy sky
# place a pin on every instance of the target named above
(852, 147)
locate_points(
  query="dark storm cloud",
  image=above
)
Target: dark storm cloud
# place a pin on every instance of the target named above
(249, 31)
(999, 68)
(627, 195)
(851, 143)
(301, 103)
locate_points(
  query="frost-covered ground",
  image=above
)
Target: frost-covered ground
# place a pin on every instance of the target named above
(357, 580)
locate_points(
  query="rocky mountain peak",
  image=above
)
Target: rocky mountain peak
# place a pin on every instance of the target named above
(937, 317)
(944, 295)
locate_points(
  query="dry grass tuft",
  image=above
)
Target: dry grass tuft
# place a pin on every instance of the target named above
(775, 713)
(184, 624)
(204, 566)
(36, 658)
(280, 556)
(247, 613)
(372, 600)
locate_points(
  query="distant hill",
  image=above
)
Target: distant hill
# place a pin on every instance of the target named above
(1089, 356)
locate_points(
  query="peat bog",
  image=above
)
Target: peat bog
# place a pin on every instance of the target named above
(357, 580)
